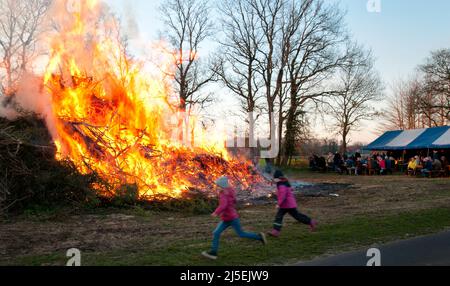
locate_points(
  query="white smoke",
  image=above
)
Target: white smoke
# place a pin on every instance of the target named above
(131, 26)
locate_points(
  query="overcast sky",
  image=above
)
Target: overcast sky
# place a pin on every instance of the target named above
(401, 36)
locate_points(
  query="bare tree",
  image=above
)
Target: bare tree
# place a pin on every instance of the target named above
(436, 76)
(279, 23)
(273, 51)
(359, 86)
(188, 26)
(423, 101)
(403, 110)
(20, 24)
(314, 54)
(239, 56)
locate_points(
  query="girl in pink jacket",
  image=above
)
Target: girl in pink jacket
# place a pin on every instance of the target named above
(287, 204)
(229, 218)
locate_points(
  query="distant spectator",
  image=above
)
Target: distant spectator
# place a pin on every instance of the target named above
(445, 165)
(444, 162)
(374, 156)
(330, 160)
(382, 164)
(435, 155)
(437, 165)
(337, 162)
(428, 166)
(350, 163)
(389, 165)
(322, 163)
(418, 161)
(412, 166)
(372, 166)
(312, 164)
(363, 164)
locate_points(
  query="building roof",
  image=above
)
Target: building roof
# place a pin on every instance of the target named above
(430, 138)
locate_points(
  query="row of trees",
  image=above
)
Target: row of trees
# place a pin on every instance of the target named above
(279, 58)
(424, 100)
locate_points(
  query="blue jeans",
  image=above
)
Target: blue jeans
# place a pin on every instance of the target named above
(236, 225)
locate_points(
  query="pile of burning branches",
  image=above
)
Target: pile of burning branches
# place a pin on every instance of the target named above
(126, 141)
(199, 169)
(29, 171)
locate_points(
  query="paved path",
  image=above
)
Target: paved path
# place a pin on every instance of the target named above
(432, 250)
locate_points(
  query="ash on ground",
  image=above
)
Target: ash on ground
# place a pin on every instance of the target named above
(265, 193)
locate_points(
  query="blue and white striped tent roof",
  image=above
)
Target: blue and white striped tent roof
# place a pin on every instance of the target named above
(431, 138)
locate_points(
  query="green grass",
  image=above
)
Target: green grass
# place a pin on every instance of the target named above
(296, 243)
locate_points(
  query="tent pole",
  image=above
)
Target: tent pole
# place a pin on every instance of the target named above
(403, 159)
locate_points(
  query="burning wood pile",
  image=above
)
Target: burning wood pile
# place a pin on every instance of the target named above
(111, 118)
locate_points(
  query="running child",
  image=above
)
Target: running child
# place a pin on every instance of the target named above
(229, 218)
(287, 204)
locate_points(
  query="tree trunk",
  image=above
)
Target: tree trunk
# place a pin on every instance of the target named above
(344, 142)
(280, 134)
(344, 145)
(289, 144)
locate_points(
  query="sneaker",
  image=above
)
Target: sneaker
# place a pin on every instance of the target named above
(263, 238)
(313, 225)
(274, 233)
(209, 255)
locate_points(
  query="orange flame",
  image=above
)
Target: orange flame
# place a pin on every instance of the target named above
(113, 119)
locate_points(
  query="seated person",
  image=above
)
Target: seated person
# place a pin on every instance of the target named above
(428, 166)
(412, 166)
(350, 163)
(389, 162)
(382, 164)
(444, 162)
(437, 165)
(435, 155)
(358, 167)
(372, 166)
(364, 165)
(338, 163)
(322, 164)
(312, 164)
(330, 160)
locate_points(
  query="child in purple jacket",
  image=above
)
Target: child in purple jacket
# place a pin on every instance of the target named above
(230, 218)
(287, 204)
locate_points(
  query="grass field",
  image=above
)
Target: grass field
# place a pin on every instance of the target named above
(371, 210)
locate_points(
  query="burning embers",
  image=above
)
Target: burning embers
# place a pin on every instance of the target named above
(111, 118)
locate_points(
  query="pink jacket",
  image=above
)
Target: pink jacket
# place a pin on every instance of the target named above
(227, 205)
(286, 198)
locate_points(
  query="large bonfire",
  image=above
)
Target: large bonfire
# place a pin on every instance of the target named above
(110, 117)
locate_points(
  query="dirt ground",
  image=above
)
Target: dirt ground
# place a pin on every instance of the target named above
(133, 230)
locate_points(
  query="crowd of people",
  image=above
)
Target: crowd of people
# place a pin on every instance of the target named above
(380, 164)
(428, 166)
